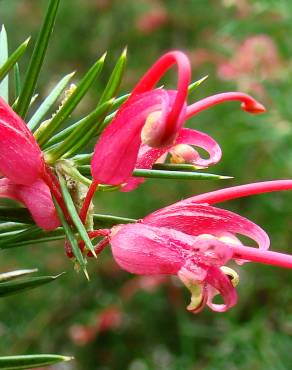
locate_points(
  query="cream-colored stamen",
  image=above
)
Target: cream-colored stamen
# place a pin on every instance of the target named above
(231, 274)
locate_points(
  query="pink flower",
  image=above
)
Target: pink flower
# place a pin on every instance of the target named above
(256, 59)
(154, 117)
(152, 20)
(26, 175)
(194, 240)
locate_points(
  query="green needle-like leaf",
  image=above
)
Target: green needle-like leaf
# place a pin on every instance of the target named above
(79, 137)
(8, 227)
(37, 59)
(28, 233)
(158, 174)
(74, 215)
(110, 220)
(44, 133)
(4, 88)
(12, 60)
(82, 159)
(174, 167)
(196, 84)
(115, 78)
(60, 136)
(106, 98)
(8, 288)
(17, 81)
(72, 239)
(29, 242)
(30, 361)
(32, 234)
(50, 100)
(6, 276)
(177, 175)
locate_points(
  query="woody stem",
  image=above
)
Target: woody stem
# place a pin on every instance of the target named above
(266, 257)
(248, 103)
(242, 191)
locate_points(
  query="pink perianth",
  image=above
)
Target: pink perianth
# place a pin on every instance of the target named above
(266, 257)
(155, 73)
(242, 191)
(247, 103)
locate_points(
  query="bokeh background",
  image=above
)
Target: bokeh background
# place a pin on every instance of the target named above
(118, 321)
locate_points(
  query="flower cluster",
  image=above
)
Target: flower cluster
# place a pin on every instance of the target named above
(191, 239)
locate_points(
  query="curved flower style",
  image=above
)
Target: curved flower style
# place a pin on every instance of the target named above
(26, 176)
(155, 117)
(194, 240)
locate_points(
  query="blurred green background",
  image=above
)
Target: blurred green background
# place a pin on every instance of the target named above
(118, 321)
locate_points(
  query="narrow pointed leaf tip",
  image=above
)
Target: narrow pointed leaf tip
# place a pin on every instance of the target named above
(115, 79)
(37, 59)
(44, 133)
(31, 361)
(13, 58)
(7, 288)
(196, 84)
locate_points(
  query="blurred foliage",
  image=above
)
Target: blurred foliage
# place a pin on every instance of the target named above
(122, 322)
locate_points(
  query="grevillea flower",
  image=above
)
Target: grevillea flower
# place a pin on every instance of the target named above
(194, 240)
(155, 117)
(26, 175)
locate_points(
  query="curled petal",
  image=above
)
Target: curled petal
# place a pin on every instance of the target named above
(147, 156)
(205, 282)
(37, 198)
(195, 219)
(116, 151)
(20, 158)
(201, 140)
(218, 282)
